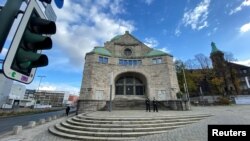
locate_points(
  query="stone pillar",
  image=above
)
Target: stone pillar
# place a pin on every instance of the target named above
(31, 124)
(17, 129)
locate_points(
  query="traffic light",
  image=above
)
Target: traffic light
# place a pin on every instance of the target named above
(31, 37)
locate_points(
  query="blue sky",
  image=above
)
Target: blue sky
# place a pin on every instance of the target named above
(182, 28)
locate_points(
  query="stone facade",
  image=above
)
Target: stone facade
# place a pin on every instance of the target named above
(126, 57)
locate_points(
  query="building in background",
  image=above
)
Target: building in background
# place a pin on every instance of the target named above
(235, 77)
(53, 98)
(5, 88)
(28, 99)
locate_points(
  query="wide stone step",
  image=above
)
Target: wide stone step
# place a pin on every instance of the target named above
(124, 121)
(84, 127)
(117, 129)
(105, 134)
(139, 118)
(88, 138)
(120, 125)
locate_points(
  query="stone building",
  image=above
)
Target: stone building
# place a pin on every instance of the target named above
(131, 70)
(236, 77)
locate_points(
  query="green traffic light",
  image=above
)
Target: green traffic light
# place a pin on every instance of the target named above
(28, 59)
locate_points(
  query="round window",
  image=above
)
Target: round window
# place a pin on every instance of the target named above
(127, 51)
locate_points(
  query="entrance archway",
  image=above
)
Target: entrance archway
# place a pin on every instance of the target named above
(130, 83)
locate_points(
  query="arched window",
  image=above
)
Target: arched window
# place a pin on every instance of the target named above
(129, 85)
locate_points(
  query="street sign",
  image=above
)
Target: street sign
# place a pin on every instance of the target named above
(50, 14)
(59, 3)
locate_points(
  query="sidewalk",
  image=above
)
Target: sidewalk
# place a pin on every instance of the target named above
(195, 132)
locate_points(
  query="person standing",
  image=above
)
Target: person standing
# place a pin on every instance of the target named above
(155, 105)
(67, 110)
(147, 102)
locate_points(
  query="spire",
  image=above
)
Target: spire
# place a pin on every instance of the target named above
(214, 48)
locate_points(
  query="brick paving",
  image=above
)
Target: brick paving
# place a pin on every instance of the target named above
(235, 114)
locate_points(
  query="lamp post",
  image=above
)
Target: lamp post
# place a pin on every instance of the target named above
(41, 77)
(185, 84)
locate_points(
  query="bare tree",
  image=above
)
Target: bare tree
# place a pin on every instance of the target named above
(192, 64)
(229, 56)
(203, 61)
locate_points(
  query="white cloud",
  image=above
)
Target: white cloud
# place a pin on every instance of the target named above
(164, 49)
(151, 42)
(148, 2)
(44, 85)
(212, 32)
(197, 18)
(239, 8)
(177, 30)
(243, 62)
(84, 24)
(116, 7)
(245, 28)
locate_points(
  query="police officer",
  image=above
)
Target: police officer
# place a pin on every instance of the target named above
(155, 105)
(147, 102)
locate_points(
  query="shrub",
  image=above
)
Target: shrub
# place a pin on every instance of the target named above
(223, 101)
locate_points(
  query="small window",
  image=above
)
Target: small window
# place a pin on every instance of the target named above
(121, 62)
(103, 60)
(244, 71)
(154, 61)
(139, 62)
(125, 62)
(135, 62)
(157, 61)
(130, 62)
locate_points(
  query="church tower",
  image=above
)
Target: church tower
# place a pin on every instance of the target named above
(221, 68)
(218, 61)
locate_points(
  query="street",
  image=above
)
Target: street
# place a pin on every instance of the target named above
(7, 124)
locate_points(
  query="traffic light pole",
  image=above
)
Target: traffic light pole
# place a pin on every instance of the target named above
(7, 16)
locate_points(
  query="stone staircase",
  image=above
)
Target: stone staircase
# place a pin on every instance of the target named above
(84, 127)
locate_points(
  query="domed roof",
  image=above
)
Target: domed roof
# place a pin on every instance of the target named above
(102, 51)
(155, 52)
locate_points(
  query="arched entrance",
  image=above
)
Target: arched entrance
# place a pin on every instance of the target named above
(128, 84)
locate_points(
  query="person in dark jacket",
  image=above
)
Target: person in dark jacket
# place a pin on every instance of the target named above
(67, 110)
(155, 105)
(147, 102)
